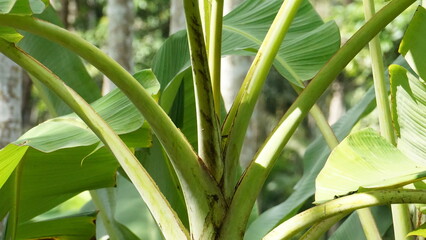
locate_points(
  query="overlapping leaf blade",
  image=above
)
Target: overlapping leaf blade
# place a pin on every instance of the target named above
(409, 113)
(365, 160)
(183, 109)
(70, 131)
(157, 163)
(64, 157)
(9, 159)
(308, 44)
(47, 179)
(81, 227)
(171, 59)
(409, 91)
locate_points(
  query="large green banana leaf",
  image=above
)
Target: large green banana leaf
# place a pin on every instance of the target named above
(365, 160)
(409, 113)
(412, 46)
(308, 44)
(409, 95)
(183, 109)
(70, 131)
(49, 179)
(62, 157)
(79, 227)
(157, 163)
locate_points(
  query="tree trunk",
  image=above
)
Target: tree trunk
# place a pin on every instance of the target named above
(65, 13)
(177, 16)
(10, 105)
(10, 101)
(120, 36)
(337, 106)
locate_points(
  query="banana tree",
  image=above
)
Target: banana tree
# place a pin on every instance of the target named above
(163, 129)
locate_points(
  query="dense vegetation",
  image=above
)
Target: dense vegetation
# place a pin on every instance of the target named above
(160, 151)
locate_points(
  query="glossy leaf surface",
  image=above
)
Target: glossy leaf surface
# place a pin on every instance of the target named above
(365, 160)
(409, 91)
(49, 179)
(9, 159)
(309, 42)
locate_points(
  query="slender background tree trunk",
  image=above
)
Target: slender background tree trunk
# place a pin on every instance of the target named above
(10, 101)
(120, 15)
(65, 12)
(177, 16)
(10, 104)
(336, 106)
